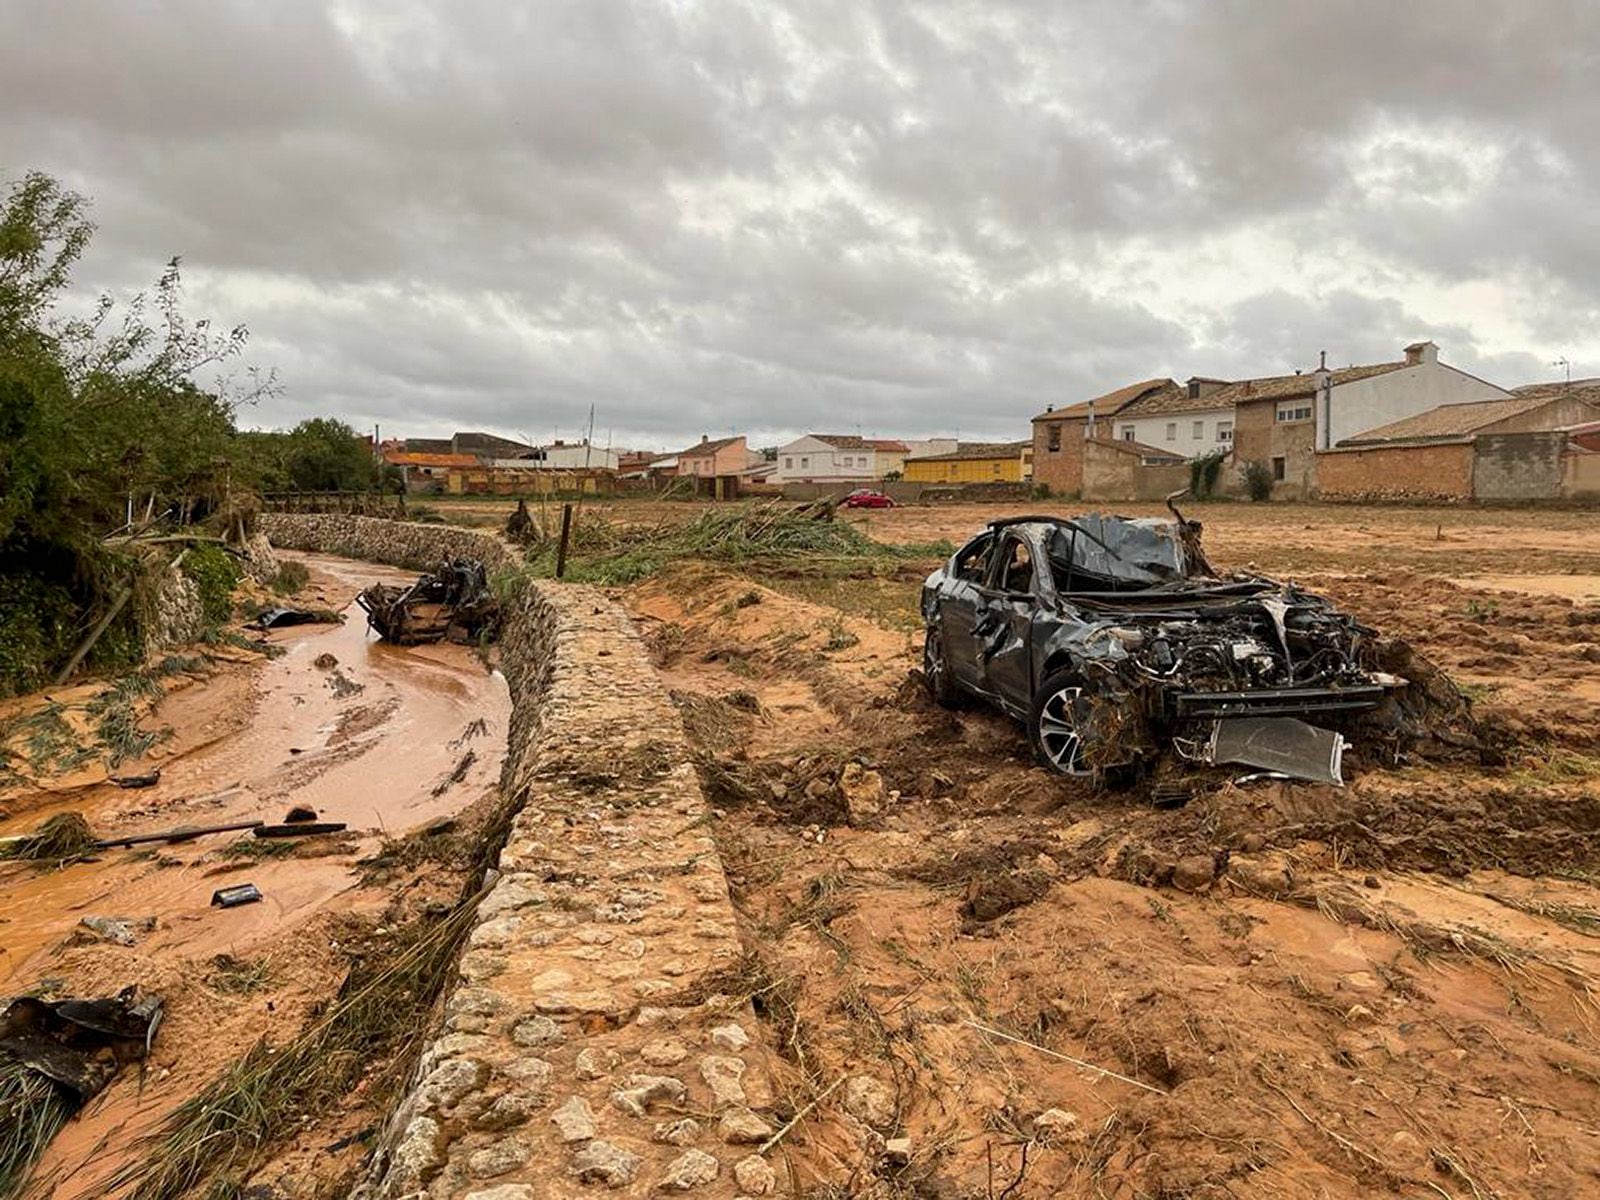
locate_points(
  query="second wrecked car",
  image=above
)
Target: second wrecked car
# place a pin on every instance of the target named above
(1114, 641)
(455, 602)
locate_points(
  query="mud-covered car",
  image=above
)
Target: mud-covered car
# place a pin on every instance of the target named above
(1115, 642)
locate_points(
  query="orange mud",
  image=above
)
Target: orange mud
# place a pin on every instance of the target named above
(371, 742)
(1385, 989)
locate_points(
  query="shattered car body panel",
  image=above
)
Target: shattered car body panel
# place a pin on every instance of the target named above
(454, 602)
(1141, 643)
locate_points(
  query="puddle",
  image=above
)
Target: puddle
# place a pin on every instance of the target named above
(368, 742)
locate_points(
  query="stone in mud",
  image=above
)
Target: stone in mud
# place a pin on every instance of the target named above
(1056, 1124)
(640, 1091)
(683, 1132)
(601, 1162)
(1194, 872)
(536, 1031)
(871, 1102)
(740, 1125)
(730, 1036)
(1268, 875)
(754, 1176)
(507, 1112)
(596, 1064)
(497, 1159)
(722, 1074)
(692, 1170)
(506, 1191)
(574, 1120)
(862, 791)
(664, 1052)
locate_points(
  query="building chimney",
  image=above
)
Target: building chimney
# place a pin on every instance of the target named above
(704, 438)
(1421, 352)
(1049, 408)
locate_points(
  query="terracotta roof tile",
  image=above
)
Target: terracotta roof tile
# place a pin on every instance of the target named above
(1110, 404)
(971, 450)
(1449, 421)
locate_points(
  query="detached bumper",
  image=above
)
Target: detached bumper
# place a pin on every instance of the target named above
(1278, 702)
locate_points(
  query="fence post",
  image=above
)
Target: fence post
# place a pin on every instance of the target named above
(566, 533)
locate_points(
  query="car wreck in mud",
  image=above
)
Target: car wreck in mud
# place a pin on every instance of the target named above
(1117, 644)
(454, 603)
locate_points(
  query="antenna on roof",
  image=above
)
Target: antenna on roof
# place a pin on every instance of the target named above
(1322, 364)
(1564, 362)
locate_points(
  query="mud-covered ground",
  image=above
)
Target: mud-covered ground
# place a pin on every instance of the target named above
(402, 745)
(1272, 990)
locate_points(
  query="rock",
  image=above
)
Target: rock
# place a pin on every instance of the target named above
(506, 1191)
(639, 1091)
(692, 1169)
(1268, 875)
(862, 791)
(1251, 843)
(497, 1159)
(1194, 872)
(683, 1132)
(754, 1176)
(1371, 881)
(536, 1031)
(1056, 1125)
(722, 1074)
(897, 1151)
(533, 1074)
(601, 1162)
(559, 1003)
(664, 1052)
(574, 1120)
(730, 1036)
(121, 930)
(447, 1083)
(871, 1102)
(507, 1112)
(416, 1155)
(324, 661)
(739, 1124)
(596, 1064)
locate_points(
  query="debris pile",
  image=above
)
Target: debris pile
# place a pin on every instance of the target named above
(54, 1058)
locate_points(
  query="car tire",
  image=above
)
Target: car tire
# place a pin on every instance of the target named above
(1053, 723)
(942, 689)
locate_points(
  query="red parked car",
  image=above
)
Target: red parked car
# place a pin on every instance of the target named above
(867, 498)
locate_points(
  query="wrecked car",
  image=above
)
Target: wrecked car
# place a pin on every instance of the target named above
(455, 603)
(1114, 641)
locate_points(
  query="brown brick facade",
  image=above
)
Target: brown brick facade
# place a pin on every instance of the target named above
(1258, 436)
(1058, 454)
(1438, 472)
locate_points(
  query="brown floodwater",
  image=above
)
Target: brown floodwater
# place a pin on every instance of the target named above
(372, 742)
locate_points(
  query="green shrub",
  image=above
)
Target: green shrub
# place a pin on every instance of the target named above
(37, 629)
(1203, 473)
(1258, 481)
(215, 574)
(291, 577)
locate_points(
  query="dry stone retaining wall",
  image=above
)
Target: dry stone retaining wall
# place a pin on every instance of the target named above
(585, 1049)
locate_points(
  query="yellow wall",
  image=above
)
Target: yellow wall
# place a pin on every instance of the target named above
(1007, 469)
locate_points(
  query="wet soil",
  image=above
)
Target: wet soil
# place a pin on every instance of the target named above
(1270, 990)
(384, 739)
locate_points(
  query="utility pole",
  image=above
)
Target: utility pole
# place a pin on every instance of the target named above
(1563, 361)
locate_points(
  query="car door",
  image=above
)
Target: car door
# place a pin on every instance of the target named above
(1006, 606)
(958, 609)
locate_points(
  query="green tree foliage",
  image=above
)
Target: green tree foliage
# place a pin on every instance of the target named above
(1258, 480)
(1203, 473)
(119, 408)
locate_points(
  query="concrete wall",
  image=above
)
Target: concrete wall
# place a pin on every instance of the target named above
(1440, 472)
(584, 1018)
(1368, 403)
(1557, 414)
(1111, 473)
(1580, 475)
(1518, 466)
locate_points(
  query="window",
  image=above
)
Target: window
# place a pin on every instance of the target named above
(1199, 430)
(1225, 431)
(995, 467)
(1016, 575)
(1053, 443)
(972, 563)
(1278, 466)
(805, 463)
(788, 463)
(1127, 433)
(1172, 431)
(1294, 410)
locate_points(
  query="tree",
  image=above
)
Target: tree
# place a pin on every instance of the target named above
(325, 455)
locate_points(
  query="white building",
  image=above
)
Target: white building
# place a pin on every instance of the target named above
(827, 458)
(1190, 421)
(573, 456)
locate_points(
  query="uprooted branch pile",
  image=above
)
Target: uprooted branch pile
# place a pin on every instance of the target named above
(605, 551)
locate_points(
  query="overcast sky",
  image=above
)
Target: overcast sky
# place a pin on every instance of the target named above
(769, 217)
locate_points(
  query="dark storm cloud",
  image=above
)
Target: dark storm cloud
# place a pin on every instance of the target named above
(711, 216)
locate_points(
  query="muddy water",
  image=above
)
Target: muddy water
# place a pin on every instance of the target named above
(372, 741)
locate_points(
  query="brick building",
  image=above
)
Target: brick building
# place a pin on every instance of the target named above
(1059, 434)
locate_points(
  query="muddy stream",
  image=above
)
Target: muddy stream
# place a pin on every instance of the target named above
(385, 739)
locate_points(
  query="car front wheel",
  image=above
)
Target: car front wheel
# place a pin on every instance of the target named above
(1057, 723)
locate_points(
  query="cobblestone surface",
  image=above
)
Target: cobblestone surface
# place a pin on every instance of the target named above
(584, 1050)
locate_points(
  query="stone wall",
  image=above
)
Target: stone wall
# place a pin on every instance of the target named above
(412, 544)
(586, 1047)
(1432, 473)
